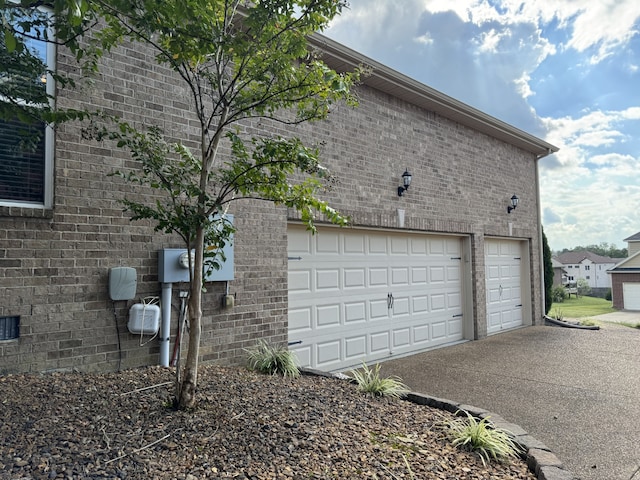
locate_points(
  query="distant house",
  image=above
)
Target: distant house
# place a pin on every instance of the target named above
(586, 265)
(625, 277)
(559, 273)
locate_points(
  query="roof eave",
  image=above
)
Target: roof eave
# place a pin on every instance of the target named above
(383, 78)
(620, 265)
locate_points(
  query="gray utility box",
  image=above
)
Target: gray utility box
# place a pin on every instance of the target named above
(173, 268)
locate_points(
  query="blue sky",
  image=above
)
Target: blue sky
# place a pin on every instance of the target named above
(567, 71)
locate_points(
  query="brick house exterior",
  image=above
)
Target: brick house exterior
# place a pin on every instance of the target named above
(625, 277)
(55, 261)
(617, 289)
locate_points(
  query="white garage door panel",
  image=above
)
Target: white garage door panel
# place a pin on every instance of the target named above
(504, 290)
(300, 320)
(356, 347)
(631, 293)
(354, 278)
(328, 352)
(340, 312)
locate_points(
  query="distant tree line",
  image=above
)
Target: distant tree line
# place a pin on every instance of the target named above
(604, 249)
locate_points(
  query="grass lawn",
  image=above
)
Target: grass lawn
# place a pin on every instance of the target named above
(581, 307)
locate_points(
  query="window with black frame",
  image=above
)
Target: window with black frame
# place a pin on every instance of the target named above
(25, 156)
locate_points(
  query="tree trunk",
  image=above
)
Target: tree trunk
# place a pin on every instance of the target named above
(186, 394)
(189, 382)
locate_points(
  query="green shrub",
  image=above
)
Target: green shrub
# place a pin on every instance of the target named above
(583, 287)
(271, 359)
(480, 436)
(558, 294)
(607, 295)
(369, 381)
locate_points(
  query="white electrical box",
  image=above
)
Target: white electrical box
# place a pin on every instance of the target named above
(122, 283)
(144, 319)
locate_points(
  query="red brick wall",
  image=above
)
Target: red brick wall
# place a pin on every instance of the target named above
(617, 293)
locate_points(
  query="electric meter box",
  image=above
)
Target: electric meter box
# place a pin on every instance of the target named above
(144, 319)
(172, 267)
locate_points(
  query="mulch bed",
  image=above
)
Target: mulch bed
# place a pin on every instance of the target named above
(246, 426)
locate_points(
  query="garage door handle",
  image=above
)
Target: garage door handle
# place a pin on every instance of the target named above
(390, 300)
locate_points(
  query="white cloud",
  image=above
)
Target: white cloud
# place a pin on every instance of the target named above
(620, 165)
(522, 85)
(461, 7)
(490, 41)
(424, 39)
(594, 129)
(598, 138)
(603, 25)
(589, 213)
(631, 113)
(590, 197)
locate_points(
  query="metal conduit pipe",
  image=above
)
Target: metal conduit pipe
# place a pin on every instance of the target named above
(165, 324)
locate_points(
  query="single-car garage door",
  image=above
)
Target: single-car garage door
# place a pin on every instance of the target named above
(503, 279)
(631, 293)
(360, 295)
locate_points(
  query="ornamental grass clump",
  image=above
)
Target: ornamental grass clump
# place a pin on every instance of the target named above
(273, 360)
(482, 437)
(370, 382)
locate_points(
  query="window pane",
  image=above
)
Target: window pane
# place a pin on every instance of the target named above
(22, 157)
(25, 79)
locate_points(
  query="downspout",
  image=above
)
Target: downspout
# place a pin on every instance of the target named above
(540, 243)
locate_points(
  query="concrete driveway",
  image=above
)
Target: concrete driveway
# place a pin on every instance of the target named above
(577, 391)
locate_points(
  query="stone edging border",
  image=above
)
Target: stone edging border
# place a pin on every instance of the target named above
(540, 459)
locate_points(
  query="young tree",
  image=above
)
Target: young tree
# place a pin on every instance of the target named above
(548, 274)
(237, 63)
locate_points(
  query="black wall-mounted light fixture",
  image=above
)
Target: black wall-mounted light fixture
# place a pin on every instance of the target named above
(406, 182)
(514, 203)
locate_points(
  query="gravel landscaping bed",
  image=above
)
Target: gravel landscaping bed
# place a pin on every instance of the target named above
(246, 426)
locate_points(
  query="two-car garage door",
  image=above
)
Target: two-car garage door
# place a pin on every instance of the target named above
(359, 295)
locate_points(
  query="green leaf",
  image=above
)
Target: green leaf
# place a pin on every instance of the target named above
(10, 40)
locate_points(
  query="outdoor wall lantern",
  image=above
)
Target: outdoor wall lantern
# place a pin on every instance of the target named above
(406, 181)
(514, 203)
